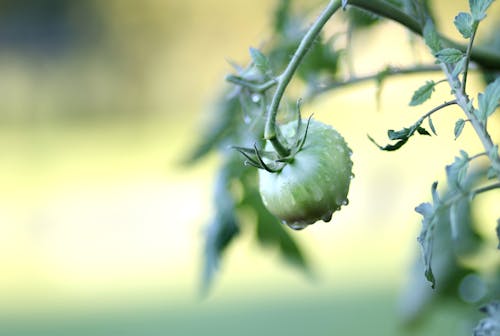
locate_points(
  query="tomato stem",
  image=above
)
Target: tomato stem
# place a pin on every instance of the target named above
(285, 78)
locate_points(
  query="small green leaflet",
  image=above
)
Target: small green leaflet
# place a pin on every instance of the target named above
(423, 93)
(488, 101)
(478, 8)
(431, 36)
(459, 126)
(449, 55)
(425, 239)
(402, 136)
(431, 125)
(459, 67)
(457, 171)
(261, 62)
(464, 22)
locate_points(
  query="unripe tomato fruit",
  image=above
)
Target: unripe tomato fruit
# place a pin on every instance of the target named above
(315, 183)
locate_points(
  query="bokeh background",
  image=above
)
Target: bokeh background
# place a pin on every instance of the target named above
(101, 227)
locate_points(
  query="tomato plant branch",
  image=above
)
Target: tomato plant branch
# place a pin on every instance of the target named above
(381, 75)
(484, 57)
(257, 88)
(466, 105)
(285, 78)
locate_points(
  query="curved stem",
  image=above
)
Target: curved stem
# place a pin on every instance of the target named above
(283, 80)
(484, 57)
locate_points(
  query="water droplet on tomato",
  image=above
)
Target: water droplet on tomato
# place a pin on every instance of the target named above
(327, 217)
(295, 225)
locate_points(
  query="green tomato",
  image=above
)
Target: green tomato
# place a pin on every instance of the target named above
(315, 183)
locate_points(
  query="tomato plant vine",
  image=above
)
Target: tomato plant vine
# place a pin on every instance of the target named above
(305, 167)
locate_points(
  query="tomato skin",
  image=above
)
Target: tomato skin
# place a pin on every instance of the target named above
(315, 183)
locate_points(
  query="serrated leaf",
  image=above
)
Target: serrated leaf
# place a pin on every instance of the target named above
(261, 62)
(489, 326)
(422, 93)
(431, 125)
(425, 238)
(459, 127)
(459, 67)
(402, 136)
(478, 8)
(282, 16)
(431, 36)
(224, 226)
(223, 122)
(422, 131)
(488, 101)
(463, 22)
(457, 171)
(270, 231)
(449, 55)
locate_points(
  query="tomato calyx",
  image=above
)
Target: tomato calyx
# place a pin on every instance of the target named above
(271, 161)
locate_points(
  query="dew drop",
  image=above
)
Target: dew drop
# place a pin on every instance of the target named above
(296, 225)
(345, 202)
(255, 98)
(328, 217)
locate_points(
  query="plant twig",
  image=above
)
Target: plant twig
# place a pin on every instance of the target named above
(283, 80)
(388, 72)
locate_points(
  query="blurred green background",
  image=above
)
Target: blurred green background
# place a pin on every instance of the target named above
(101, 227)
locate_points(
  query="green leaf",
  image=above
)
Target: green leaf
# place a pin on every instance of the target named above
(457, 171)
(223, 122)
(431, 125)
(261, 62)
(459, 126)
(478, 8)
(422, 93)
(488, 101)
(464, 22)
(270, 232)
(459, 67)
(282, 16)
(449, 55)
(425, 239)
(431, 36)
(224, 226)
(489, 326)
(402, 136)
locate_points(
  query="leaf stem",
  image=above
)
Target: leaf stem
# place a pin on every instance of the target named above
(437, 108)
(284, 79)
(387, 72)
(468, 54)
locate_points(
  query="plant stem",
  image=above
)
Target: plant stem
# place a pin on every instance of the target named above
(283, 80)
(487, 58)
(468, 54)
(463, 101)
(437, 108)
(388, 72)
